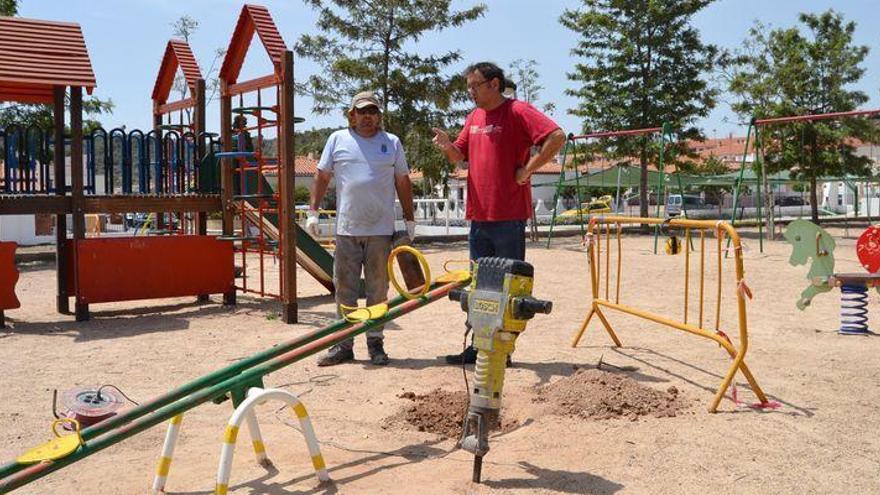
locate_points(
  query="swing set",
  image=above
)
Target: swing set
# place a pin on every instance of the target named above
(755, 138)
(662, 135)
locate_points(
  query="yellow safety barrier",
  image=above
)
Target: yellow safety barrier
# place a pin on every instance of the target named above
(614, 226)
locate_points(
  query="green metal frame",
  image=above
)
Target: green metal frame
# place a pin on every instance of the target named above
(569, 143)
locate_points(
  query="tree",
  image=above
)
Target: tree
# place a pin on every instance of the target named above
(641, 64)
(41, 115)
(367, 49)
(807, 69)
(9, 7)
(525, 76)
(184, 27)
(312, 140)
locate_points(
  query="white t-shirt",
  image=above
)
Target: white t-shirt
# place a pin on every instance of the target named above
(364, 169)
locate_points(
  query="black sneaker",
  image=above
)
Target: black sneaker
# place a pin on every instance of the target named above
(377, 351)
(336, 355)
(467, 356)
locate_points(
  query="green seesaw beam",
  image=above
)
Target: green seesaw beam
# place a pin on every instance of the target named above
(214, 386)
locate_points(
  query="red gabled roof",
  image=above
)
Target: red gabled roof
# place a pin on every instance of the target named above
(253, 18)
(36, 55)
(177, 54)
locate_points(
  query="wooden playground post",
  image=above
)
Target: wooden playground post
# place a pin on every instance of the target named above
(287, 183)
(226, 172)
(77, 200)
(157, 128)
(62, 259)
(201, 219)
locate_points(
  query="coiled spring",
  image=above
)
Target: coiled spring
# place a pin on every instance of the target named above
(853, 309)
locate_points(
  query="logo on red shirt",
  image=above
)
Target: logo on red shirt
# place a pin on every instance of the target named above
(487, 129)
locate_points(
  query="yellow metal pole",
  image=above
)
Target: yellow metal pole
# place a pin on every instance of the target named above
(687, 270)
(619, 260)
(702, 271)
(607, 257)
(719, 234)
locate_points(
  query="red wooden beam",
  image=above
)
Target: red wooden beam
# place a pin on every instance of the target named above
(252, 85)
(175, 105)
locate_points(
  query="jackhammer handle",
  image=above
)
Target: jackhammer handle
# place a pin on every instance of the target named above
(527, 307)
(457, 294)
(460, 295)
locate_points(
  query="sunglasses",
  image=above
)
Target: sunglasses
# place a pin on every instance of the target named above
(473, 87)
(371, 110)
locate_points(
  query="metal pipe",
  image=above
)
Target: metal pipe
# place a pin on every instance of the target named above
(628, 132)
(818, 116)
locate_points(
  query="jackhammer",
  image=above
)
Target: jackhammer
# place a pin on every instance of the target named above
(498, 305)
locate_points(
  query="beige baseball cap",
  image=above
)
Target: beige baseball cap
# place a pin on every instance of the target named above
(365, 99)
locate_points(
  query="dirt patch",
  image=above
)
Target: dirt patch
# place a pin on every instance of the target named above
(440, 412)
(596, 394)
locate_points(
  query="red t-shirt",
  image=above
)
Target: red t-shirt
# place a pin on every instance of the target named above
(495, 144)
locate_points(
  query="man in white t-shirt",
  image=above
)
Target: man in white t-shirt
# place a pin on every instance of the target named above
(369, 166)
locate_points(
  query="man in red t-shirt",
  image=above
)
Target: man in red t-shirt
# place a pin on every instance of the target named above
(496, 142)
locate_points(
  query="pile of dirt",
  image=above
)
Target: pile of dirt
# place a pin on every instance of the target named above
(596, 394)
(440, 412)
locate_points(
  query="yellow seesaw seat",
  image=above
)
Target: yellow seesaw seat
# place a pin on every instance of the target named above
(58, 447)
(354, 314)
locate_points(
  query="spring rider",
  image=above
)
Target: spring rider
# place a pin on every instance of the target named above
(809, 241)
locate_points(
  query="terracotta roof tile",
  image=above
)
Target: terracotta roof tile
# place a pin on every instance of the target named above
(36, 55)
(253, 18)
(177, 54)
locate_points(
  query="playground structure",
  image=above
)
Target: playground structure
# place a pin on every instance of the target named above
(266, 217)
(189, 130)
(169, 177)
(811, 242)
(242, 382)
(96, 270)
(749, 175)
(609, 299)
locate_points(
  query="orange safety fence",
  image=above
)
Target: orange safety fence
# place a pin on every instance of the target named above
(695, 232)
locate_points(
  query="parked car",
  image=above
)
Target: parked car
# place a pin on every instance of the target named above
(633, 199)
(675, 203)
(789, 201)
(600, 205)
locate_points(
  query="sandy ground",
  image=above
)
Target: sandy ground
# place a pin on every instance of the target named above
(822, 440)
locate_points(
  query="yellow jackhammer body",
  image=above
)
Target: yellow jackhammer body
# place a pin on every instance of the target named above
(498, 305)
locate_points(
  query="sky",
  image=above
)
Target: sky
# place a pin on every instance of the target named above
(127, 38)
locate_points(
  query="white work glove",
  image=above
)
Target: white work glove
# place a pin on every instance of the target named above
(312, 222)
(411, 230)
